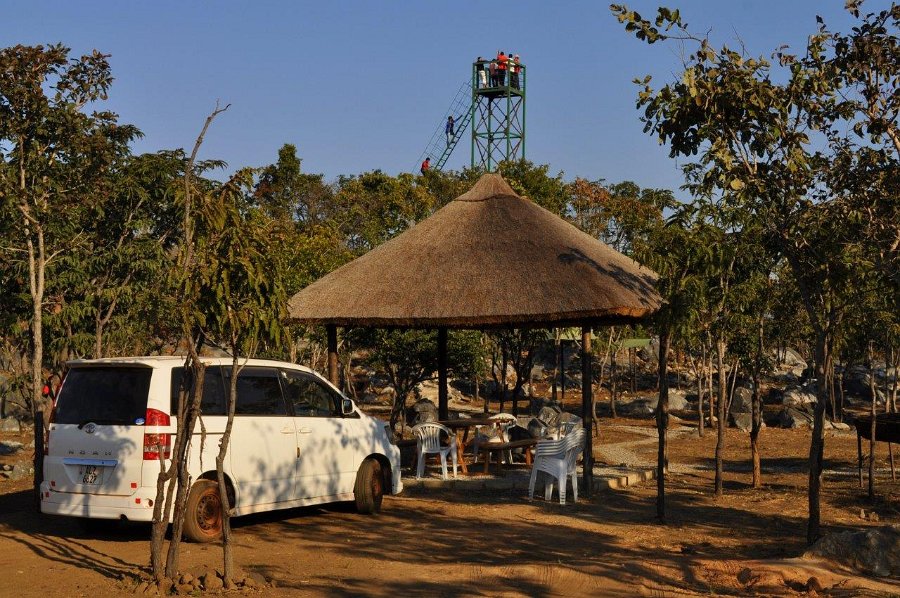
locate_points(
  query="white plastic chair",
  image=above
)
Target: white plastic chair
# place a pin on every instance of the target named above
(557, 460)
(428, 441)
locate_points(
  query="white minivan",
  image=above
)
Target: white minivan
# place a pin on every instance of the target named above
(296, 440)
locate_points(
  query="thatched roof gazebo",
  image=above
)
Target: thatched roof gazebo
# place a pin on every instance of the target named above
(489, 258)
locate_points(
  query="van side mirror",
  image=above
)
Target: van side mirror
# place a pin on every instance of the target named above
(346, 407)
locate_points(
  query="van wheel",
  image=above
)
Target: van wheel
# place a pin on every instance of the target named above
(369, 489)
(203, 513)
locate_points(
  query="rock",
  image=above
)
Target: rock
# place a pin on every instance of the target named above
(537, 428)
(742, 401)
(10, 424)
(550, 415)
(19, 471)
(792, 358)
(536, 404)
(636, 407)
(368, 398)
(840, 426)
(793, 418)
(745, 575)
(814, 585)
(211, 581)
(186, 578)
(677, 401)
(874, 551)
(184, 588)
(258, 578)
(10, 447)
(165, 585)
(742, 421)
(798, 396)
(248, 582)
(425, 411)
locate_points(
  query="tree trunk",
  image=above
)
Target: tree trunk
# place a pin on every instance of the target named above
(36, 271)
(720, 410)
(662, 425)
(817, 443)
(701, 375)
(614, 381)
(224, 443)
(872, 413)
(756, 408)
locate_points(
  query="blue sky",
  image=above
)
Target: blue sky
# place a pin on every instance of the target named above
(358, 86)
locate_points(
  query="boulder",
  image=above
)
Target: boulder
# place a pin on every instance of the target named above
(19, 471)
(792, 417)
(793, 359)
(10, 424)
(10, 447)
(550, 415)
(744, 421)
(798, 396)
(425, 411)
(636, 407)
(536, 404)
(742, 401)
(677, 401)
(874, 551)
(537, 428)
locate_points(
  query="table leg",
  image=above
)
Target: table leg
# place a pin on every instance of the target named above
(461, 455)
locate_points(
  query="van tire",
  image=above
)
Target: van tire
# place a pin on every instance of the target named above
(369, 488)
(203, 513)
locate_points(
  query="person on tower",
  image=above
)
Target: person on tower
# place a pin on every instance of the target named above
(502, 63)
(448, 129)
(479, 67)
(515, 68)
(425, 165)
(493, 71)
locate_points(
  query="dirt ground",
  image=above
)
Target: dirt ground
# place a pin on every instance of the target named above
(440, 542)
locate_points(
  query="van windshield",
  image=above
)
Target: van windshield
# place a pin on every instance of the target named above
(104, 395)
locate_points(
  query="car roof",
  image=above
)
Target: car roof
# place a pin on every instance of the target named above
(170, 361)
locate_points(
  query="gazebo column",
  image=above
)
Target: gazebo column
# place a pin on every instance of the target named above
(587, 410)
(443, 409)
(333, 375)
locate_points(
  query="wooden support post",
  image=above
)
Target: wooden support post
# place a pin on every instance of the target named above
(333, 375)
(587, 411)
(443, 409)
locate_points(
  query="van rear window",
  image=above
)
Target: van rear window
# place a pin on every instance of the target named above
(104, 395)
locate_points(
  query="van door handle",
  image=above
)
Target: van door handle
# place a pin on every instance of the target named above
(305, 430)
(287, 430)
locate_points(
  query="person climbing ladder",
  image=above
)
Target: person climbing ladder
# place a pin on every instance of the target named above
(449, 129)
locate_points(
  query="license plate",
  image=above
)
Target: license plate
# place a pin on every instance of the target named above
(90, 474)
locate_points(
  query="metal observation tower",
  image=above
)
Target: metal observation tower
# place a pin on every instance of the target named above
(493, 106)
(497, 115)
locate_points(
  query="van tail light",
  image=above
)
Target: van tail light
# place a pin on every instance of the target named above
(154, 443)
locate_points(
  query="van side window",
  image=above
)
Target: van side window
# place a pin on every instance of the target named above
(213, 401)
(258, 392)
(309, 397)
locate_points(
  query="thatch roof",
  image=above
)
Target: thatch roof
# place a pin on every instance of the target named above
(488, 258)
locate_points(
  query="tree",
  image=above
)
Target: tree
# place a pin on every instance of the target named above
(410, 357)
(751, 136)
(55, 158)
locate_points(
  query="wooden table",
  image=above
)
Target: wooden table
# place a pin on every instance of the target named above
(489, 447)
(462, 427)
